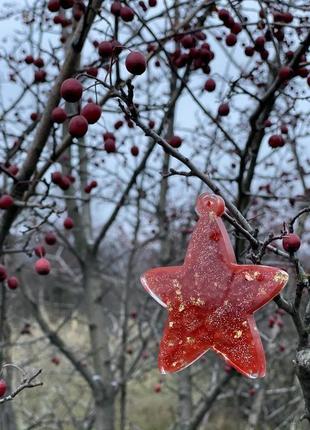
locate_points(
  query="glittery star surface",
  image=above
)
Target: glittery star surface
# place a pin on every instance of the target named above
(211, 299)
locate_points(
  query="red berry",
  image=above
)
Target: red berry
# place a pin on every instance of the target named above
(59, 115)
(68, 223)
(71, 90)
(231, 39)
(260, 43)
(78, 126)
(39, 62)
(285, 73)
(13, 282)
(92, 112)
(175, 141)
(236, 28)
(116, 8)
(87, 189)
(284, 129)
(210, 85)
(105, 49)
(39, 251)
(66, 4)
(276, 140)
(109, 146)
(42, 266)
(55, 360)
(223, 14)
(188, 41)
(3, 273)
(108, 135)
(135, 63)
(287, 17)
(3, 387)
(291, 242)
(118, 124)
(151, 123)
(39, 75)
(134, 151)
(93, 184)
(92, 71)
(152, 3)
(64, 183)
(223, 109)
(127, 14)
(6, 201)
(157, 388)
(56, 177)
(50, 238)
(29, 59)
(34, 116)
(13, 169)
(249, 51)
(53, 5)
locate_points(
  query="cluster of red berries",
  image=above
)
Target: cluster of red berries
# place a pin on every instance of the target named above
(11, 281)
(117, 8)
(234, 27)
(71, 90)
(135, 61)
(39, 75)
(198, 53)
(63, 181)
(77, 6)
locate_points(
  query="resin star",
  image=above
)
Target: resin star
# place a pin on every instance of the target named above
(211, 299)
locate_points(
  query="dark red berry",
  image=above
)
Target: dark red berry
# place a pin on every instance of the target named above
(231, 39)
(92, 112)
(224, 109)
(276, 140)
(78, 126)
(59, 115)
(105, 49)
(3, 387)
(291, 242)
(39, 251)
(13, 282)
(53, 5)
(127, 14)
(3, 273)
(134, 151)
(71, 90)
(175, 141)
(42, 266)
(6, 201)
(50, 238)
(68, 223)
(135, 63)
(210, 85)
(116, 8)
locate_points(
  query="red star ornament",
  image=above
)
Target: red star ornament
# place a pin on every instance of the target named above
(211, 299)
